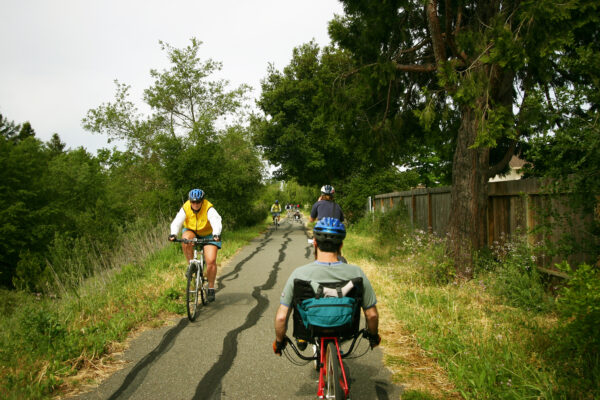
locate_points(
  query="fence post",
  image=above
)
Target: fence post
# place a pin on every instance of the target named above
(414, 211)
(429, 213)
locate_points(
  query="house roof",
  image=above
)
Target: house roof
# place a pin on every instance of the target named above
(516, 162)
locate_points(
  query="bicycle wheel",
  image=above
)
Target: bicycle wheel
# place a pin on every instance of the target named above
(203, 282)
(333, 386)
(192, 291)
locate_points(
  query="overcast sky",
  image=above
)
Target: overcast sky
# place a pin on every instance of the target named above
(59, 58)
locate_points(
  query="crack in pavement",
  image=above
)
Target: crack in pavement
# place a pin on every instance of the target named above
(136, 376)
(212, 380)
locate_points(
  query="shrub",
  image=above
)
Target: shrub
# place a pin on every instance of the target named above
(578, 305)
(516, 277)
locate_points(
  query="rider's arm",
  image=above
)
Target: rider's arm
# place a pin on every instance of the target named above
(281, 318)
(372, 318)
(178, 222)
(215, 221)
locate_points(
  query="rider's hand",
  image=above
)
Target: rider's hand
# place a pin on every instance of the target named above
(217, 238)
(374, 340)
(172, 237)
(278, 347)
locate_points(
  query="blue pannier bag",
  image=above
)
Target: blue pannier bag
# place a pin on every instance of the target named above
(327, 312)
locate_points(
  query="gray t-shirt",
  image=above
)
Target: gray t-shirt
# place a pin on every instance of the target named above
(326, 273)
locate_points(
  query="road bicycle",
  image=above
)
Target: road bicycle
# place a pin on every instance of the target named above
(328, 356)
(197, 283)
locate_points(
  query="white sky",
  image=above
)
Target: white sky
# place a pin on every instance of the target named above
(59, 58)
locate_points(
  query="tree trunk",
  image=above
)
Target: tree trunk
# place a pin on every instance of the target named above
(468, 218)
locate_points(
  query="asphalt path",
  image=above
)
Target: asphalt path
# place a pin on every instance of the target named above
(226, 353)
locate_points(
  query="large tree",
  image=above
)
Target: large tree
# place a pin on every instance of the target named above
(490, 62)
(194, 136)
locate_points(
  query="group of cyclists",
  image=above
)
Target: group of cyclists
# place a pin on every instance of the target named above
(198, 218)
(293, 210)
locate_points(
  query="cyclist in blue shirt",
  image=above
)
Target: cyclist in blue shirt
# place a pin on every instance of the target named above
(325, 206)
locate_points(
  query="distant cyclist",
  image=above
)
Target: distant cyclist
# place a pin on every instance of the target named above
(200, 219)
(329, 234)
(276, 210)
(326, 206)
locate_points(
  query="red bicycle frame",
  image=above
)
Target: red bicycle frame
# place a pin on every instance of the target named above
(323, 367)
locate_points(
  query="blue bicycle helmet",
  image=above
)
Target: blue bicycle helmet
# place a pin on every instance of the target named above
(329, 230)
(196, 195)
(327, 189)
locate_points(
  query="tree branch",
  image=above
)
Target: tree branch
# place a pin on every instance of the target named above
(439, 48)
(496, 169)
(412, 49)
(415, 68)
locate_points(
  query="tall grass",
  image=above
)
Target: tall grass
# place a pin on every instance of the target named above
(494, 337)
(47, 341)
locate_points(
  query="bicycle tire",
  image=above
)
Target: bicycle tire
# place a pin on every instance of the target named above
(333, 377)
(203, 283)
(192, 292)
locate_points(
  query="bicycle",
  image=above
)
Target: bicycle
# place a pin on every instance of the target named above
(197, 283)
(298, 217)
(276, 221)
(333, 376)
(326, 317)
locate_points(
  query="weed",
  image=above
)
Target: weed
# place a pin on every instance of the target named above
(46, 339)
(496, 336)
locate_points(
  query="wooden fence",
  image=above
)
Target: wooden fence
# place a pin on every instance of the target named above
(514, 207)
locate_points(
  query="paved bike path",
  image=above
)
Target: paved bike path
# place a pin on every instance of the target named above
(226, 353)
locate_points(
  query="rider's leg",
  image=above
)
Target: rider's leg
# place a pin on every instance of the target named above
(188, 248)
(210, 257)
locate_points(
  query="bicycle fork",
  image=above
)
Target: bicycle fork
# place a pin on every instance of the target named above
(323, 367)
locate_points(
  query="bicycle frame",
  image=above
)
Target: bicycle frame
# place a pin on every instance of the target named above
(321, 358)
(197, 281)
(323, 367)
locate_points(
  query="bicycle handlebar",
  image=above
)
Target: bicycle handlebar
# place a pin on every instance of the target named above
(361, 333)
(196, 241)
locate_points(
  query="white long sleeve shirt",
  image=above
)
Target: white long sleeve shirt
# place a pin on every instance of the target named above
(213, 217)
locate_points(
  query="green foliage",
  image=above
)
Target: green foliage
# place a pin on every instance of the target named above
(31, 273)
(515, 275)
(491, 346)
(451, 81)
(194, 137)
(352, 194)
(578, 305)
(43, 340)
(22, 200)
(576, 335)
(286, 192)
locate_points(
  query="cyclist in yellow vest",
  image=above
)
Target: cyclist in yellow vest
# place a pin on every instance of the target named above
(200, 219)
(276, 210)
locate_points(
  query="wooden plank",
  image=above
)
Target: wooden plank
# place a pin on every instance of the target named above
(554, 272)
(429, 214)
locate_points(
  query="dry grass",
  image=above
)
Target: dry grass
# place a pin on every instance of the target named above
(411, 366)
(90, 369)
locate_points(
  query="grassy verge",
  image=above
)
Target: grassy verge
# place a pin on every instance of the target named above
(50, 346)
(472, 339)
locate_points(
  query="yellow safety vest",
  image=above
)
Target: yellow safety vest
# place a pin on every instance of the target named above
(198, 222)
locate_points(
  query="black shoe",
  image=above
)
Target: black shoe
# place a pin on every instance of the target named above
(210, 296)
(301, 344)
